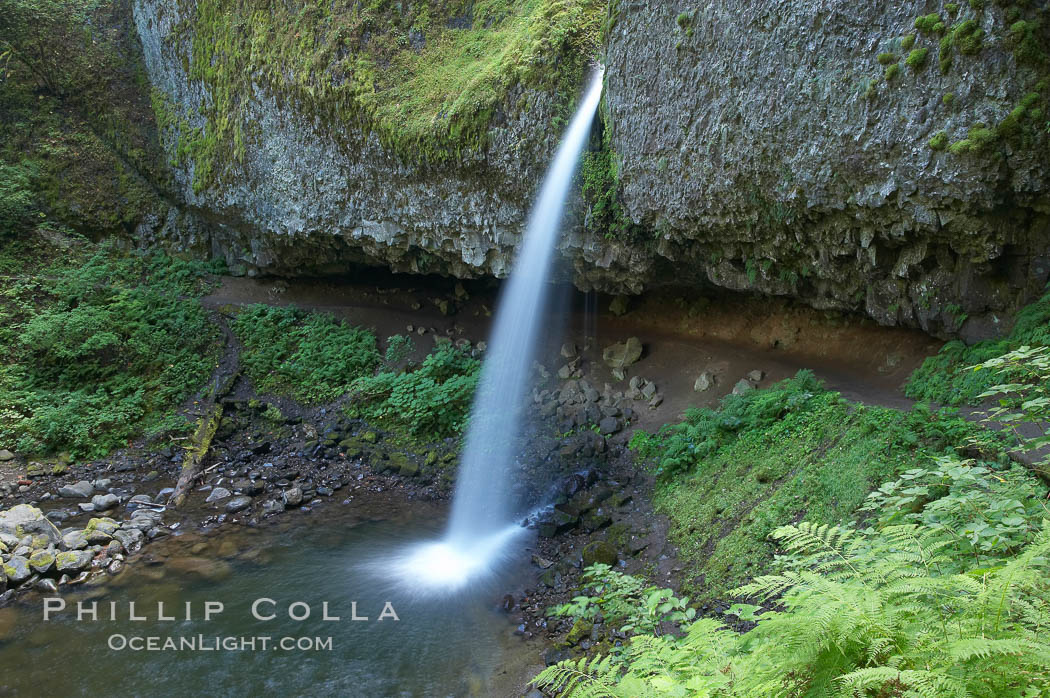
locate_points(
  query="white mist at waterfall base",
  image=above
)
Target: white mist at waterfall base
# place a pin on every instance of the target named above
(482, 521)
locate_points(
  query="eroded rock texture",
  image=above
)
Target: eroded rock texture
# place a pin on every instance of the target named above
(759, 145)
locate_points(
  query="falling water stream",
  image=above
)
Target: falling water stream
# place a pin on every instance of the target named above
(483, 513)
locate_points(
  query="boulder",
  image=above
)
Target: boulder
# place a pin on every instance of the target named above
(6, 455)
(74, 540)
(599, 552)
(42, 560)
(742, 386)
(569, 350)
(81, 490)
(100, 530)
(17, 569)
(756, 375)
(25, 520)
(622, 354)
(73, 560)
(609, 425)
(105, 502)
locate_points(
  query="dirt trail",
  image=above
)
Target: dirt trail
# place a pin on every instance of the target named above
(683, 335)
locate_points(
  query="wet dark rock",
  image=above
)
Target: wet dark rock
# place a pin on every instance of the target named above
(553, 656)
(555, 522)
(217, 494)
(293, 497)
(599, 552)
(46, 586)
(610, 425)
(130, 538)
(239, 503)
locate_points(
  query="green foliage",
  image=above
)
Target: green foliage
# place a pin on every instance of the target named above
(311, 356)
(625, 602)
(887, 58)
(946, 378)
(978, 139)
(1023, 400)
(398, 348)
(967, 36)
(600, 184)
(772, 455)
(100, 348)
(907, 42)
(892, 71)
(432, 400)
(17, 201)
(427, 78)
(895, 611)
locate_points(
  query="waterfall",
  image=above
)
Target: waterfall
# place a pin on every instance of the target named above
(482, 520)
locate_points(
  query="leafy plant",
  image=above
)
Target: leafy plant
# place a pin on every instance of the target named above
(431, 400)
(310, 356)
(864, 613)
(1023, 402)
(948, 377)
(101, 349)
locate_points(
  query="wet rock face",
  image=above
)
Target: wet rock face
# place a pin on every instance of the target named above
(752, 156)
(752, 144)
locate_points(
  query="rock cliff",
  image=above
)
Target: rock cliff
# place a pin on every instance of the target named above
(849, 156)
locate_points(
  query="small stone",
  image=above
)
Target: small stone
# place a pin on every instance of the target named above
(86, 507)
(705, 381)
(130, 538)
(46, 586)
(609, 425)
(272, 506)
(569, 350)
(217, 494)
(756, 376)
(6, 455)
(742, 386)
(81, 490)
(105, 502)
(238, 504)
(293, 497)
(649, 390)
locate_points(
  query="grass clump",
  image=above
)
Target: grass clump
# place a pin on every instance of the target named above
(312, 357)
(967, 36)
(947, 377)
(939, 141)
(929, 24)
(916, 60)
(772, 455)
(978, 139)
(100, 346)
(907, 42)
(892, 71)
(428, 401)
(887, 58)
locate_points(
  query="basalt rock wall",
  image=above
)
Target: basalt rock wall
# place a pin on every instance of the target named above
(764, 147)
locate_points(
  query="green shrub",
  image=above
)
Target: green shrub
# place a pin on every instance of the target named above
(887, 58)
(892, 70)
(432, 400)
(101, 349)
(312, 357)
(939, 141)
(967, 36)
(907, 42)
(929, 24)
